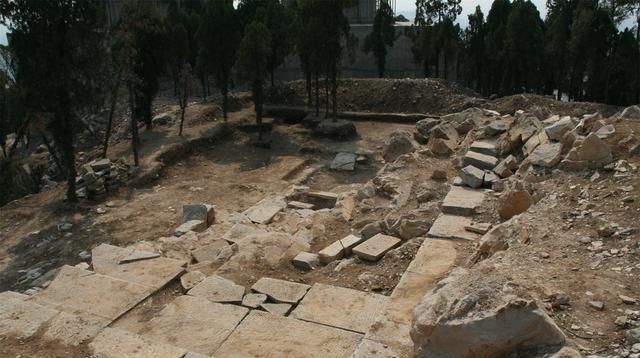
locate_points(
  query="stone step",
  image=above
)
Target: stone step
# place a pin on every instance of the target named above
(484, 147)
(340, 307)
(374, 248)
(462, 201)
(452, 227)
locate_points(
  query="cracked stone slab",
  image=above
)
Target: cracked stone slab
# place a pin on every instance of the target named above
(195, 324)
(265, 210)
(218, 289)
(281, 291)
(74, 329)
(265, 335)
(153, 273)
(116, 343)
(452, 227)
(76, 291)
(374, 248)
(21, 317)
(340, 307)
(462, 201)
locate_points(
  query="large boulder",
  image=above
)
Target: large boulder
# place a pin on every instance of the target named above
(400, 142)
(470, 314)
(513, 202)
(546, 155)
(423, 129)
(594, 149)
(556, 130)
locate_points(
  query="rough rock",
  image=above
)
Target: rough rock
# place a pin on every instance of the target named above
(370, 230)
(484, 147)
(280, 309)
(254, 300)
(190, 279)
(514, 202)
(202, 212)
(400, 142)
(497, 127)
(468, 315)
(441, 146)
(333, 252)
(162, 119)
(191, 225)
(631, 112)
(444, 131)
(218, 289)
(472, 176)
(413, 228)
(546, 155)
(594, 149)
(344, 161)
(340, 129)
(423, 128)
(556, 130)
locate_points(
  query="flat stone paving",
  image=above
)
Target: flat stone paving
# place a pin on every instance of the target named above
(153, 273)
(74, 329)
(462, 201)
(281, 291)
(218, 289)
(264, 211)
(116, 343)
(20, 317)
(194, 324)
(452, 227)
(265, 335)
(340, 307)
(374, 248)
(75, 290)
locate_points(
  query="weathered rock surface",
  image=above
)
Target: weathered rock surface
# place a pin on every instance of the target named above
(468, 315)
(472, 176)
(556, 130)
(514, 202)
(546, 155)
(400, 142)
(344, 161)
(481, 161)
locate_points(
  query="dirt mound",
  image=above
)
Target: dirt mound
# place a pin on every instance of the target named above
(534, 102)
(435, 96)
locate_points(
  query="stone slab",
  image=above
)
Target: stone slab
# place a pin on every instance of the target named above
(452, 227)
(300, 205)
(280, 309)
(20, 317)
(281, 291)
(374, 248)
(152, 273)
(218, 289)
(116, 343)
(484, 147)
(195, 355)
(373, 349)
(325, 195)
(77, 291)
(306, 260)
(269, 336)
(340, 307)
(462, 201)
(344, 161)
(264, 211)
(480, 161)
(392, 334)
(191, 225)
(209, 252)
(333, 252)
(349, 242)
(240, 231)
(190, 279)
(74, 330)
(195, 324)
(254, 300)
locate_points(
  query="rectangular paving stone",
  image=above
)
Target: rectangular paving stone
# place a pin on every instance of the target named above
(374, 248)
(333, 252)
(218, 289)
(21, 317)
(153, 273)
(265, 335)
(340, 307)
(116, 343)
(77, 291)
(281, 291)
(350, 242)
(265, 210)
(195, 324)
(462, 201)
(435, 256)
(72, 329)
(452, 227)
(478, 160)
(484, 147)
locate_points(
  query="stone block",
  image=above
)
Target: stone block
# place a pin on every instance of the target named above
(265, 210)
(202, 212)
(546, 155)
(254, 300)
(452, 227)
(462, 201)
(484, 147)
(344, 161)
(481, 161)
(333, 252)
(556, 130)
(279, 309)
(472, 176)
(192, 225)
(306, 261)
(349, 242)
(374, 248)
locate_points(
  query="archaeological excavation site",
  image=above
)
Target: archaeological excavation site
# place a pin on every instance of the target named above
(481, 229)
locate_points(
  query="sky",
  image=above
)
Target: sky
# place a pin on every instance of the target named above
(468, 7)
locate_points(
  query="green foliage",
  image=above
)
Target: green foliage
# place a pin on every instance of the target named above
(253, 63)
(219, 36)
(473, 55)
(383, 35)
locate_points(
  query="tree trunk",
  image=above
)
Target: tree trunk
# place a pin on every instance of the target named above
(134, 128)
(258, 107)
(52, 151)
(317, 94)
(146, 112)
(271, 74)
(203, 84)
(112, 110)
(225, 94)
(308, 83)
(326, 96)
(67, 150)
(182, 110)
(444, 65)
(334, 93)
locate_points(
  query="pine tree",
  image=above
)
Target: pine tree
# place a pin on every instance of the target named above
(383, 35)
